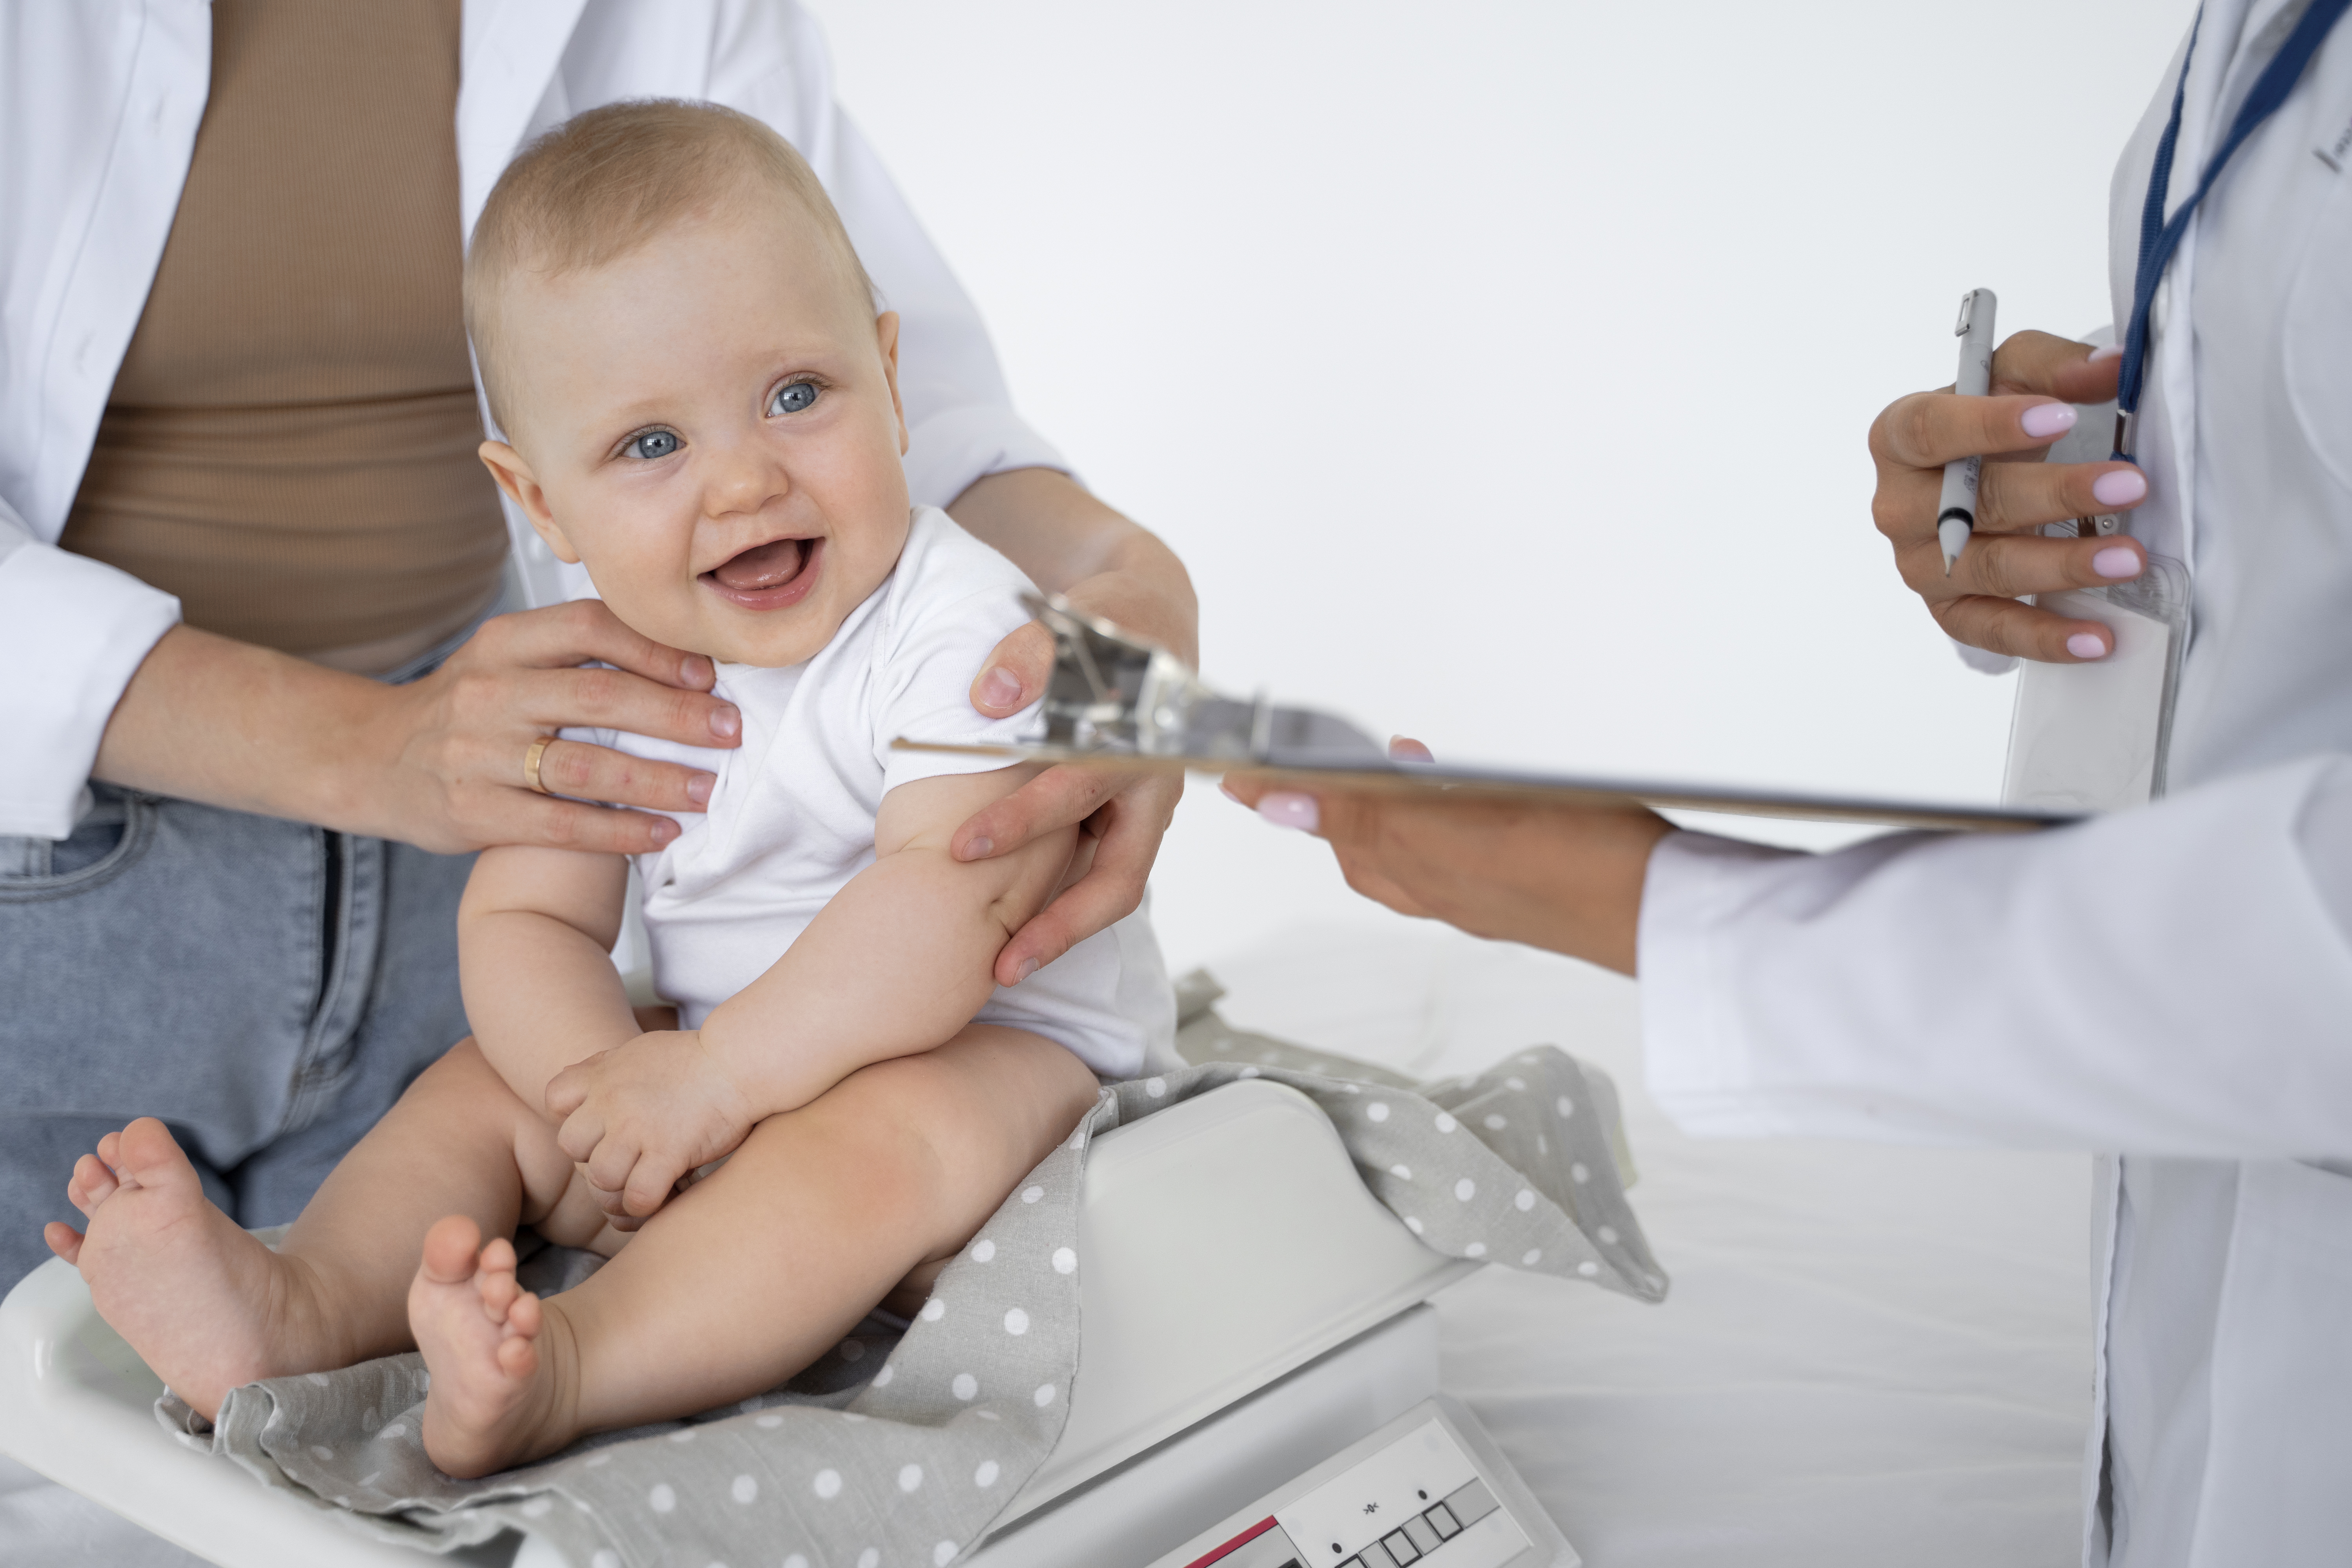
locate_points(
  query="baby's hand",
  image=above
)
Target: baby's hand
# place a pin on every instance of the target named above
(641, 1116)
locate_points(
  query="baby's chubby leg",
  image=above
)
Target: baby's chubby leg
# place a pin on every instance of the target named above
(210, 1308)
(751, 1275)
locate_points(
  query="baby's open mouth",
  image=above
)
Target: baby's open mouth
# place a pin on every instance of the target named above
(769, 576)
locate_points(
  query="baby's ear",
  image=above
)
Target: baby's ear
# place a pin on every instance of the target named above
(885, 338)
(515, 477)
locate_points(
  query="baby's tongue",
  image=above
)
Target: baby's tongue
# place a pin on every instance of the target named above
(765, 566)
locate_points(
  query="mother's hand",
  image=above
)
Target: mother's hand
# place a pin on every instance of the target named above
(1564, 877)
(454, 758)
(1070, 544)
(2036, 377)
(1127, 814)
(437, 762)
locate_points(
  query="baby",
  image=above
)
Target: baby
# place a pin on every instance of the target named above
(703, 409)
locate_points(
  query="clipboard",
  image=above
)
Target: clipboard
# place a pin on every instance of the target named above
(1117, 701)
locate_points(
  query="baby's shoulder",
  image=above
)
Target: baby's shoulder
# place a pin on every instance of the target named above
(947, 586)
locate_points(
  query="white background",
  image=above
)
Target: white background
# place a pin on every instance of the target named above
(1502, 371)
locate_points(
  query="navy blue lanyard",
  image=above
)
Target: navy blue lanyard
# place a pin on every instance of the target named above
(2160, 237)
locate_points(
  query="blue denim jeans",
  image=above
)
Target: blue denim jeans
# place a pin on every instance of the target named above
(268, 988)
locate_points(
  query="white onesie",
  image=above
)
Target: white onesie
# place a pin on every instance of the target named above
(792, 815)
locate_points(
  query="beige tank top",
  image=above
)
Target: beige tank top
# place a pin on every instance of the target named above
(290, 445)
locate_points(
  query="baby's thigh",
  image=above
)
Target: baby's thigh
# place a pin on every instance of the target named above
(575, 1218)
(464, 1091)
(984, 1108)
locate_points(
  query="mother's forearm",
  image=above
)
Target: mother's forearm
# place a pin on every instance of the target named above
(209, 718)
(1069, 542)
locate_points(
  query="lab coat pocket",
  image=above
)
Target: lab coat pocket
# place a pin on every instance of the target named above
(2318, 325)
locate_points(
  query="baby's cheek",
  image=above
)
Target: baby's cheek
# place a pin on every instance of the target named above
(870, 547)
(654, 599)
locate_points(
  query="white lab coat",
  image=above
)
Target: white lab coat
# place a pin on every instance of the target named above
(100, 101)
(2172, 982)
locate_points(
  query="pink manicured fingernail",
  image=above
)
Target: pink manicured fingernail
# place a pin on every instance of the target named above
(2120, 487)
(699, 788)
(695, 670)
(1000, 687)
(664, 830)
(2116, 561)
(2113, 350)
(2045, 420)
(2083, 645)
(726, 722)
(1028, 967)
(979, 848)
(1285, 808)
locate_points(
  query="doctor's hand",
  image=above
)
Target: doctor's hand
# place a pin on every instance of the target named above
(638, 1118)
(1563, 878)
(2036, 377)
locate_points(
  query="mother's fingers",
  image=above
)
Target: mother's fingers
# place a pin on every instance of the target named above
(1015, 675)
(568, 824)
(1108, 887)
(598, 773)
(586, 630)
(591, 699)
(1052, 801)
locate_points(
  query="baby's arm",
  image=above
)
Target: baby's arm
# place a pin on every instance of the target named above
(535, 932)
(897, 962)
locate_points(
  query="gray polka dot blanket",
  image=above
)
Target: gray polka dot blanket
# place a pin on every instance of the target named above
(901, 1446)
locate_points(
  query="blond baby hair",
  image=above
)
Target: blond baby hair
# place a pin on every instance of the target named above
(606, 182)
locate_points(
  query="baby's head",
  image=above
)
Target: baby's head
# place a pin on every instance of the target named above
(699, 398)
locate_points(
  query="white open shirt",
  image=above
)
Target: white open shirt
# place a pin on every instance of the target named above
(100, 101)
(2174, 981)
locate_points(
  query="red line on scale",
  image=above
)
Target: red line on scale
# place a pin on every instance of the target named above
(1238, 1541)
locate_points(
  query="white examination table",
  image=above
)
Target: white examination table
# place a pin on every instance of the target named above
(1871, 1354)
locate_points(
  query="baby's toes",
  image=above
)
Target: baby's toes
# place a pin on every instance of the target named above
(452, 1247)
(91, 1185)
(499, 1292)
(64, 1240)
(518, 1357)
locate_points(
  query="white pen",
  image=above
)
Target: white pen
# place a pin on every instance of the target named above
(1956, 515)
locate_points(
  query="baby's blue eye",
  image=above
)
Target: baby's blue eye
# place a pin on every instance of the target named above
(793, 398)
(653, 444)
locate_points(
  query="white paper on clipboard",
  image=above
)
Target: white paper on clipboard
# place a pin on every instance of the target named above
(2093, 737)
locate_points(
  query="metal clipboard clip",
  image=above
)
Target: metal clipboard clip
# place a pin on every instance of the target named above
(1115, 699)
(1113, 694)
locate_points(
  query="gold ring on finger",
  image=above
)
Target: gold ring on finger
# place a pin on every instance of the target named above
(530, 761)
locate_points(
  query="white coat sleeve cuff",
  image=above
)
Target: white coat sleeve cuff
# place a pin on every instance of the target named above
(72, 633)
(955, 445)
(1694, 1054)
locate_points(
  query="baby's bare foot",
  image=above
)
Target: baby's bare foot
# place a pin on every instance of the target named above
(493, 1402)
(206, 1305)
